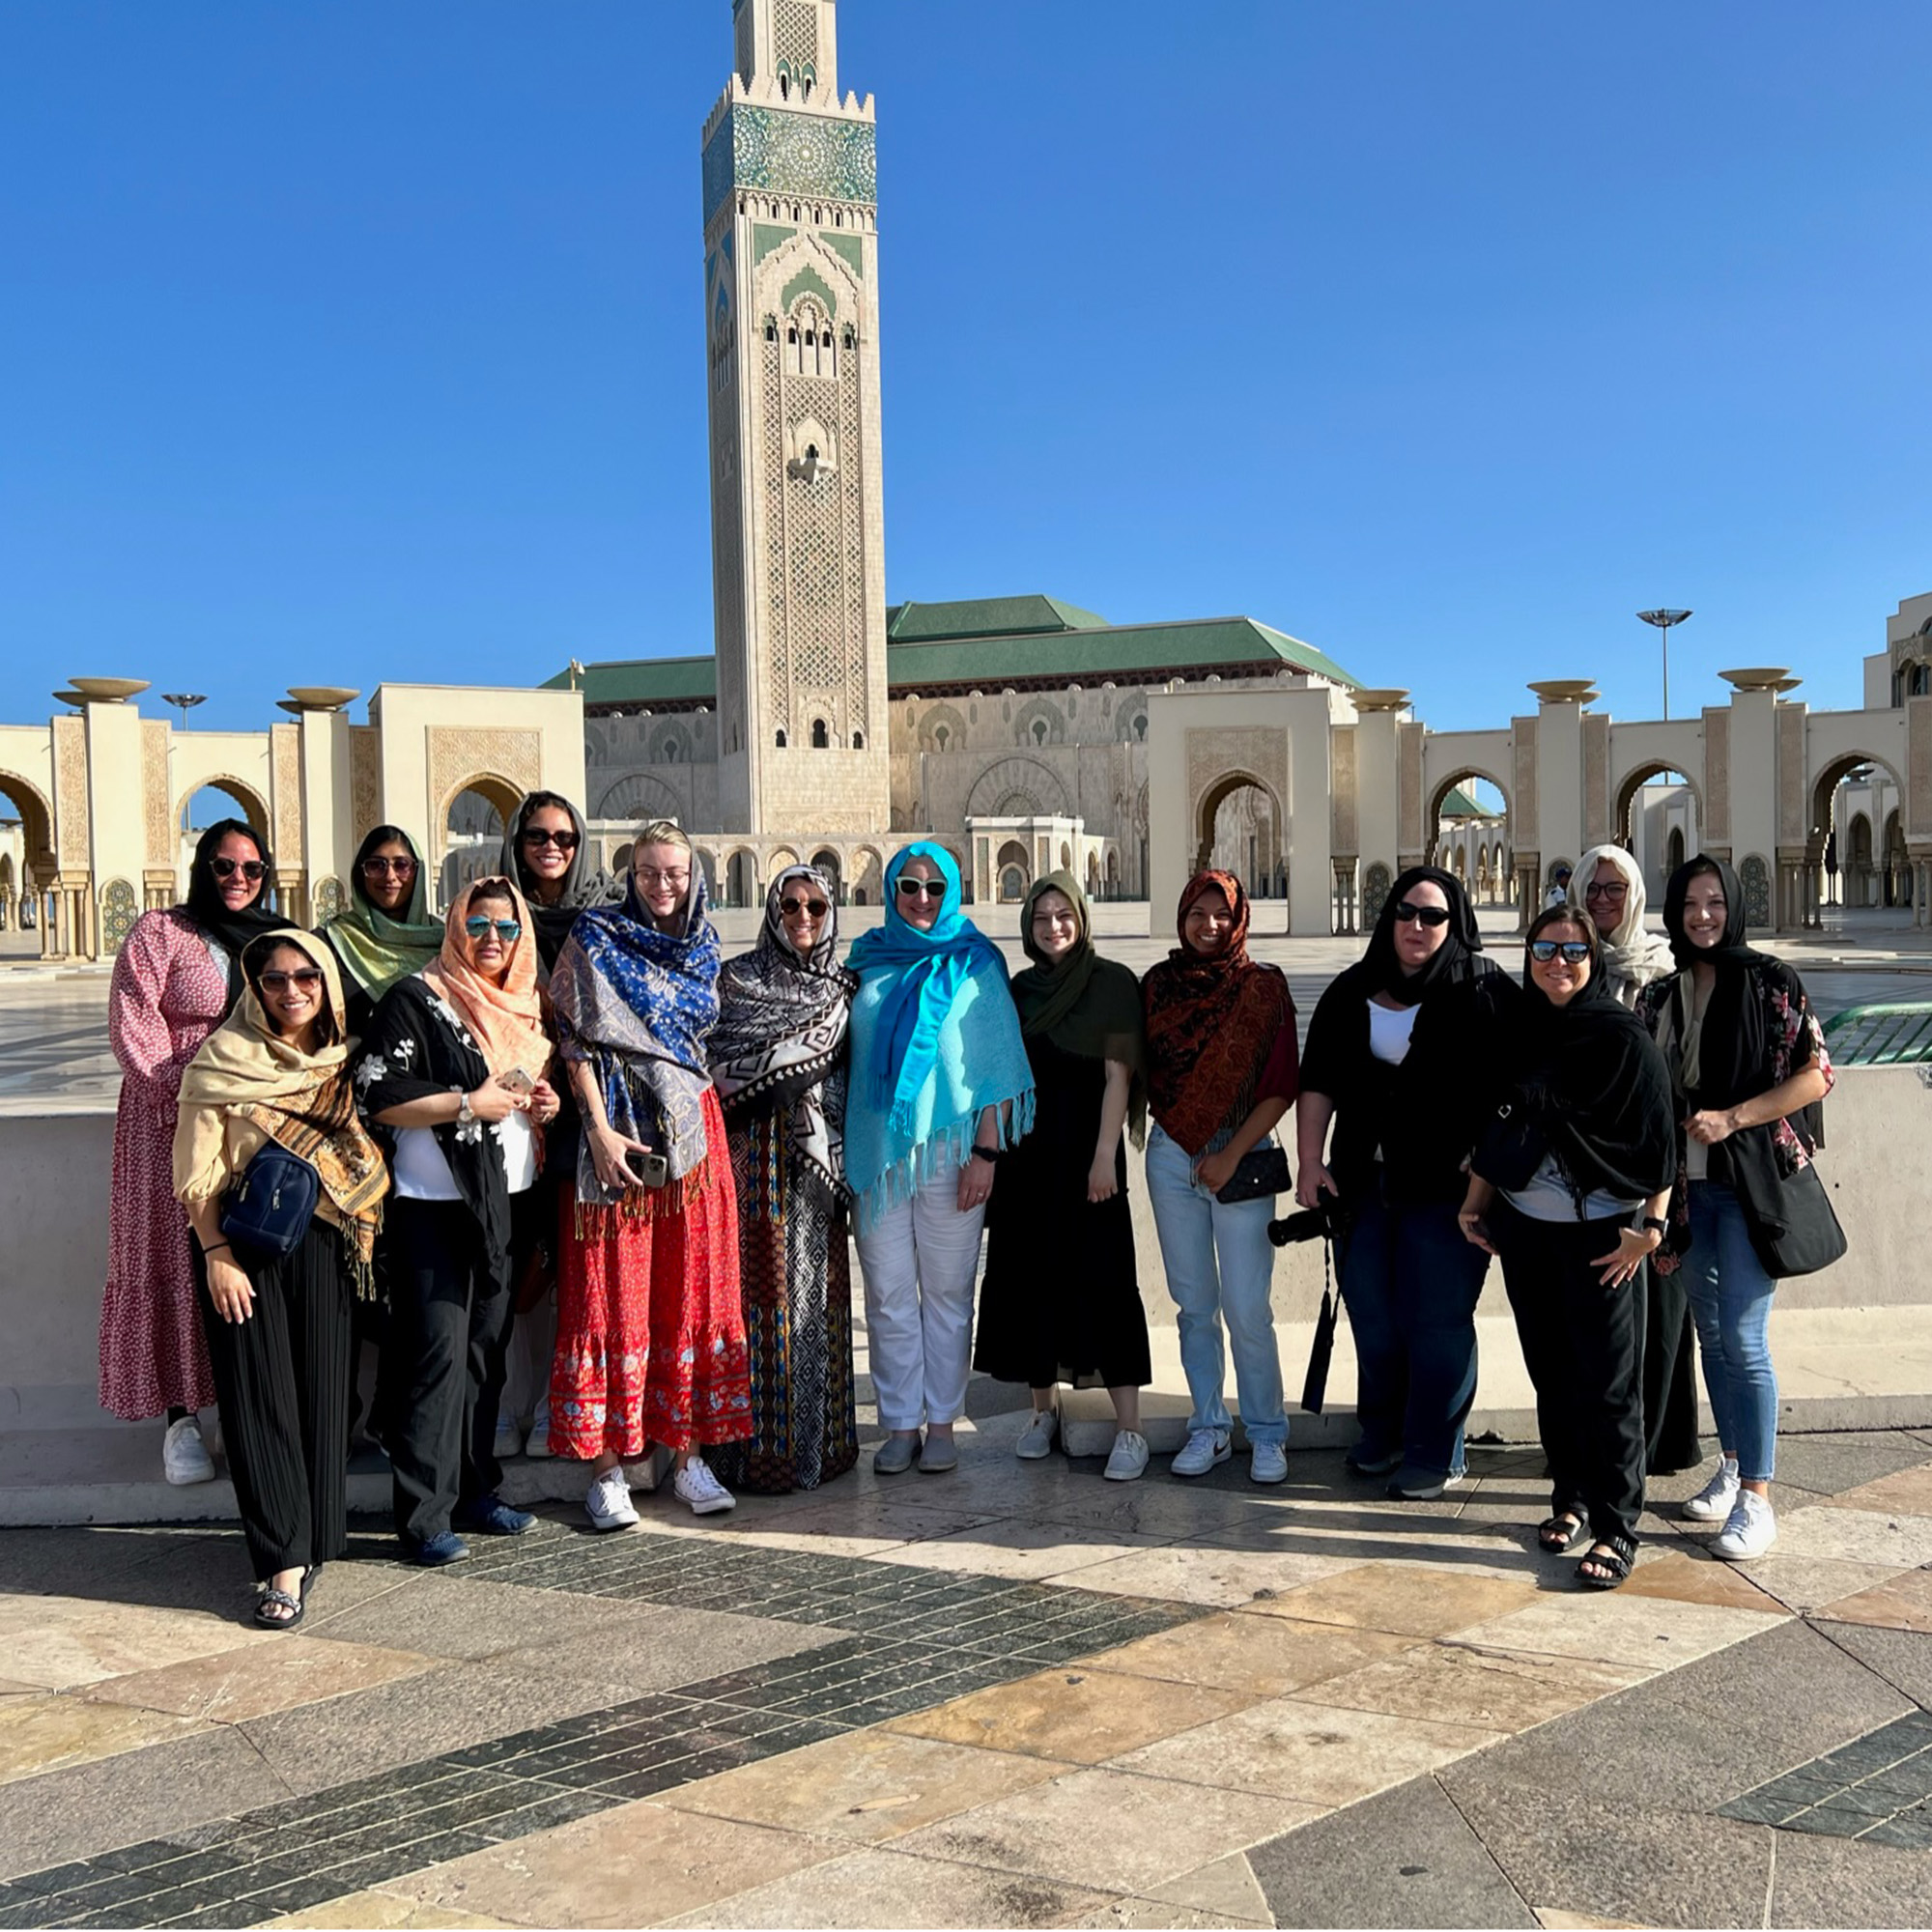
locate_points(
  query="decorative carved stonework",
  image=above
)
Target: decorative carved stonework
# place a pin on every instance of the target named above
(1791, 812)
(366, 779)
(1717, 826)
(1597, 827)
(72, 838)
(1523, 830)
(1411, 835)
(1343, 815)
(1919, 768)
(1222, 751)
(285, 764)
(157, 821)
(461, 753)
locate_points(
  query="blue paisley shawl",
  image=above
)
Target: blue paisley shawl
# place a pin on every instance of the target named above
(636, 1005)
(935, 1041)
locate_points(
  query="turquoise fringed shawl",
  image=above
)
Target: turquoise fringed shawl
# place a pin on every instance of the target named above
(935, 1041)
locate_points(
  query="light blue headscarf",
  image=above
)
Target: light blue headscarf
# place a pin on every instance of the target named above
(935, 1041)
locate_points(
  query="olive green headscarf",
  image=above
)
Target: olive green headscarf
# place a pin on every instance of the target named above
(1083, 1004)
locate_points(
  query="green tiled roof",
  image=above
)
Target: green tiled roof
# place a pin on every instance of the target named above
(1459, 805)
(928, 647)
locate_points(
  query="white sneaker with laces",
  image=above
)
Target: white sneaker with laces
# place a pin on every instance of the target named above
(537, 1444)
(1128, 1459)
(1268, 1463)
(1205, 1448)
(184, 1457)
(1751, 1531)
(695, 1485)
(608, 1503)
(509, 1441)
(1036, 1442)
(1715, 1500)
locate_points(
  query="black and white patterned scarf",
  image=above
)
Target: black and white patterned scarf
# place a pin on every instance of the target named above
(780, 1038)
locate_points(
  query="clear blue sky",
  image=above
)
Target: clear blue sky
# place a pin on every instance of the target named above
(365, 341)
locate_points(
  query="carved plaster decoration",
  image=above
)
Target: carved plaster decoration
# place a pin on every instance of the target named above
(1343, 836)
(1919, 768)
(1596, 801)
(1717, 826)
(1219, 752)
(1791, 811)
(285, 768)
(1412, 833)
(366, 779)
(1523, 830)
(158, 836)
(461, 753)
(73, 837)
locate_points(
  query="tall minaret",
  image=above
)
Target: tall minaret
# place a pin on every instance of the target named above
(797, 513)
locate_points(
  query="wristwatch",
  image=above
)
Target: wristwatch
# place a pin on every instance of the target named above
(986, 1154)
(1652, 1224)
(465, 1112)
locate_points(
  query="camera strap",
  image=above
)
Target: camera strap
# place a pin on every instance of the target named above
(1315, 1384)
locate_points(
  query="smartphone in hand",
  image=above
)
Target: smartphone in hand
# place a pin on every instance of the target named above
(516, 1081)
(651, 1168)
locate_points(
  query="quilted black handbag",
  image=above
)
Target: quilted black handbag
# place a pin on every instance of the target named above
(1261, 1174)
(268, 1210)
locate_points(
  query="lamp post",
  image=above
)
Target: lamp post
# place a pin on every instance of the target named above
(184, 702)
(1664, 619)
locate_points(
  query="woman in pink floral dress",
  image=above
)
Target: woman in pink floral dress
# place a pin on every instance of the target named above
(174, 979)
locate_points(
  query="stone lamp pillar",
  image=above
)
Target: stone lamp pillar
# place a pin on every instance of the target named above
(1560, 783)
(1770, 896)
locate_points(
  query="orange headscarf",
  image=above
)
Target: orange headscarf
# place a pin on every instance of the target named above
(506, 1021)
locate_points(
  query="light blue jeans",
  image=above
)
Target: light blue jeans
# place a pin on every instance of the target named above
(1219, 1264)
(1730, 1302)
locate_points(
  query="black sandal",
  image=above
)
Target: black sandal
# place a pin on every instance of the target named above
(1615, 1553)
(271, 1601)
(1560, 1533)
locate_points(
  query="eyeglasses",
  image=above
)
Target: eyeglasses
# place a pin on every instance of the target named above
(649, 876)
(305, 978)
(1574, 952)
(1429, 916)
(508, 930)
(1616, 891)
(226, 869)
(564, 842)
(912, 889)
(811, 908)
(403, 868)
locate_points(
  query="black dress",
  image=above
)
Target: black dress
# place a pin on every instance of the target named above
(1061, 1301)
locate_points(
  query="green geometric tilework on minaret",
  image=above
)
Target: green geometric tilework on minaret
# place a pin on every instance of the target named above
(790, 154)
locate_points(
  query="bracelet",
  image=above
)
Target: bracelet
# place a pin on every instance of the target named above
(215, 1250)
(988, 1155)
(1651, 1223)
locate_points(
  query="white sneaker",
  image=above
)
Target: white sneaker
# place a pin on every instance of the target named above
(1715, 1500)
(1751, 1531)
(1267, 1461)
(509, 1439)
(536, 1444)
(695, 1485)
(1205, 1448)
(608, 1503)
(184, 1457)
(1130, 1457)
(1036, 1442)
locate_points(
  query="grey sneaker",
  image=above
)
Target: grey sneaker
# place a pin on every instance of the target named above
(184, 1457)
(1205, 1448)
(1715, 1500)
(1127, 1462)
(1036, 1442)
(895, 1454)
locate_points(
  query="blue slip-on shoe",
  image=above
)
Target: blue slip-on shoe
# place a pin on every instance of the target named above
(493, 1516)
(434, 1551)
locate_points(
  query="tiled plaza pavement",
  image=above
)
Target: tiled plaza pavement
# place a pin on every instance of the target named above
(1013, 1695)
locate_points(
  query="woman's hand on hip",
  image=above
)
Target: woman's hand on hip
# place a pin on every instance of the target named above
(229, 1288)
(1315, 1180)
(1634, 1247)
(976, 1184)
(608, 1151)
(1101, 1184)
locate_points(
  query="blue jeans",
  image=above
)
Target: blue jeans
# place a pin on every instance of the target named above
(1410, 1284)
(1730, 1302)
(1219, 1265)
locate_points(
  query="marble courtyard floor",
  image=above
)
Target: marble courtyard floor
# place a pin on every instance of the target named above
(1015, 1695)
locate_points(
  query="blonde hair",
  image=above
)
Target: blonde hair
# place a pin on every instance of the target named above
(660, 832)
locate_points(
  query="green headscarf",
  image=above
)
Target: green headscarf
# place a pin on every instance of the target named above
(1083, 1004)
(376, 951)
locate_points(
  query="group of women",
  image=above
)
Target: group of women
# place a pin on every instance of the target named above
(583, 1182)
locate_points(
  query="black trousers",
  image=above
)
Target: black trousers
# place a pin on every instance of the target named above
(1669, 1376)
(442, 1362)
(1582, 1344)
(281, 1379)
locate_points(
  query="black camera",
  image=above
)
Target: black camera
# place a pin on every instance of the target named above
(1318, 1223)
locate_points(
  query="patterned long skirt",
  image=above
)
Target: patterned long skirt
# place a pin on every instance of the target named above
(797, 1269)
(650, 1325)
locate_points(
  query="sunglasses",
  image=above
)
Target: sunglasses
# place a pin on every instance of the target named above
(403, 868)
(932, 889)
(304, 977)
(1429, 916)
(564, 842)
(811, 908)
(508, 930)
(1573, 951)
(226, 869)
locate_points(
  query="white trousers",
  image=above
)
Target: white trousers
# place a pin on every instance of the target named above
(920, 1261)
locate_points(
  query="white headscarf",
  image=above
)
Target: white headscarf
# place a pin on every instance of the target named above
(1632, 956)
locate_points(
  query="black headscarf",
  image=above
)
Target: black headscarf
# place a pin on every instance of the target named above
(231, 931)
(1735, 1051)
(1457, 959)
(585, 884)
(1592, 1081)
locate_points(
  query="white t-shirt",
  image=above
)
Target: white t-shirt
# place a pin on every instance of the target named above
(1389, 1032)
(421, 1173)
(1547, 1198)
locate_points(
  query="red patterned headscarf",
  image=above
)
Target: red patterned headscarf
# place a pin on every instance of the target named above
(1211, 1024)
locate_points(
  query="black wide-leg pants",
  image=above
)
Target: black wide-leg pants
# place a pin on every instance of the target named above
(1582, 1344)
(281, 1380)
(442, 1362)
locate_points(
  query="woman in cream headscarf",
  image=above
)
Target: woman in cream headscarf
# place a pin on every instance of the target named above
(276, 1072)
(1607, 886)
